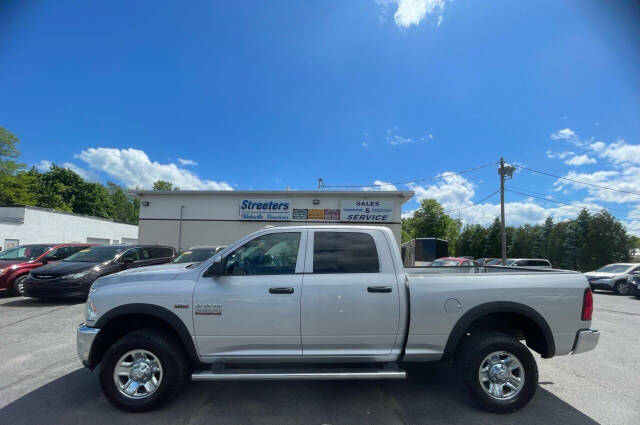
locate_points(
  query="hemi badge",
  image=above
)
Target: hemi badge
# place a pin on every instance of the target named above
(181, 305)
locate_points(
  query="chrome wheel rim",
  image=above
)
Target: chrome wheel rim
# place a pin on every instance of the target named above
(21, 287)
(137, 374)
(501, 375)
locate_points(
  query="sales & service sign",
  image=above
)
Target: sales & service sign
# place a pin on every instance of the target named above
(366, 211)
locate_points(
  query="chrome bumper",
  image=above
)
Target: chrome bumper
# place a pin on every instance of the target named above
(84, 339)
(586, 340)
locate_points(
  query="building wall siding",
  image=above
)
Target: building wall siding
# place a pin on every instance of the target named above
(42, 226)
(215, 220)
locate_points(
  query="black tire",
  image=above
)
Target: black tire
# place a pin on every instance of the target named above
(169, 353)
(18, 285)
(622, 288)
(470, 357)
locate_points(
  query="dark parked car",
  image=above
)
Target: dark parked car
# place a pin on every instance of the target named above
(198, 254)
(16, 263)
(73, 276)
(634, 281)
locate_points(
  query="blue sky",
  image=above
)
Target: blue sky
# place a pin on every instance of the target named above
(265, 95)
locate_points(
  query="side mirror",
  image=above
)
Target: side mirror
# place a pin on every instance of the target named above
(44, 261)
(216, 269)
(127, 261)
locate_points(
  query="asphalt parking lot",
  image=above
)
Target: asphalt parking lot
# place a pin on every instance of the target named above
(42, 381)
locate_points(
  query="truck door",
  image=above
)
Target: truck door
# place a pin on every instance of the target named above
(253, 310)
(350, 299)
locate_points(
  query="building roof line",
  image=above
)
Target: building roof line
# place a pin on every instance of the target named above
(31, 207)
(404, 194)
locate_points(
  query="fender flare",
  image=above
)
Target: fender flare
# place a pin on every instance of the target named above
(470, 316)
(161, 313)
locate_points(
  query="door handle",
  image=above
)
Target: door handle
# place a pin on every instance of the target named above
(281, 290)
(379, 289)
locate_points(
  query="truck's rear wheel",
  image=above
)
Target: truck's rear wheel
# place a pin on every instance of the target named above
(143, 370)
(499, 372)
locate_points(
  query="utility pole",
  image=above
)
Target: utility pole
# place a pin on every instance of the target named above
(503, 234)
(504, 171)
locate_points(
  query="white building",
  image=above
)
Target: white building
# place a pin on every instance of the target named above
(185, 218)
(22, 225)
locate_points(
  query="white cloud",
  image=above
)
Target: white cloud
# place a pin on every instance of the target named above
(559, 155)
(45, 165)
(564, 134)
(187, 161)
(456, 195)
(580, 160)
(626, 180)
(365, 144)
(134, 168)
(82, 172)
(395, 139)
(381, 186)
(619, 153)
(412, 12)
(452, 192)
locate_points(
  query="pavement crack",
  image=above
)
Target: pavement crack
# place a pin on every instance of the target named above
(37, 315)
(66, 359)
(618, 311)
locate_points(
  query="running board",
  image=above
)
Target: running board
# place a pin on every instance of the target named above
(298, 374)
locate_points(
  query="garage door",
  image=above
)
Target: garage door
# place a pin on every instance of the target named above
(99, 241)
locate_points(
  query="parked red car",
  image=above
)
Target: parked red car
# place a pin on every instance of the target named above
(16, 263)
(453, 262)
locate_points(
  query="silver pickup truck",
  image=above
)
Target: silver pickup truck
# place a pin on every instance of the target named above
(328, 302)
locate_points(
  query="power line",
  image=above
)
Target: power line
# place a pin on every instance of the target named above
(438, 177)
(466, 206)
(578, 181)
(560, 199)
(473, 204)
(551, 200)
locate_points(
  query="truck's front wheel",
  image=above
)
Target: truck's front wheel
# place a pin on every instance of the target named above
(499, 372)
(143, 370)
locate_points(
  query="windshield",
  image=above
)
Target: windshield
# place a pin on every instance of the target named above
(195, 255)
(24, 253)
(446, 263)
(509, 262)
(495, 262)
(96, 254)
(614, 268)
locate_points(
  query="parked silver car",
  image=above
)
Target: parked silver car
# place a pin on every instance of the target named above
(613, 277)
(535, 263)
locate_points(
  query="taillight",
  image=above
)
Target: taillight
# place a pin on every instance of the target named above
(587, 305)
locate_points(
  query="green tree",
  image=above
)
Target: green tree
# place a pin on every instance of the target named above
(164, 185)
(8, 153)
(471, 241)
(607, 241)
(430, 221)
(493, 241)
(123, 207)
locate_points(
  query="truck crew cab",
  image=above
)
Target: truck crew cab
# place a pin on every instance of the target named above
(281, 301)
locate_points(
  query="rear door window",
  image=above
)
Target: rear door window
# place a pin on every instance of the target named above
(131, 254)
(344, 252)
(160, 252)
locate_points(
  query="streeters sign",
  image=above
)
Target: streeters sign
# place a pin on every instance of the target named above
(265, 209)
(366, 211)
